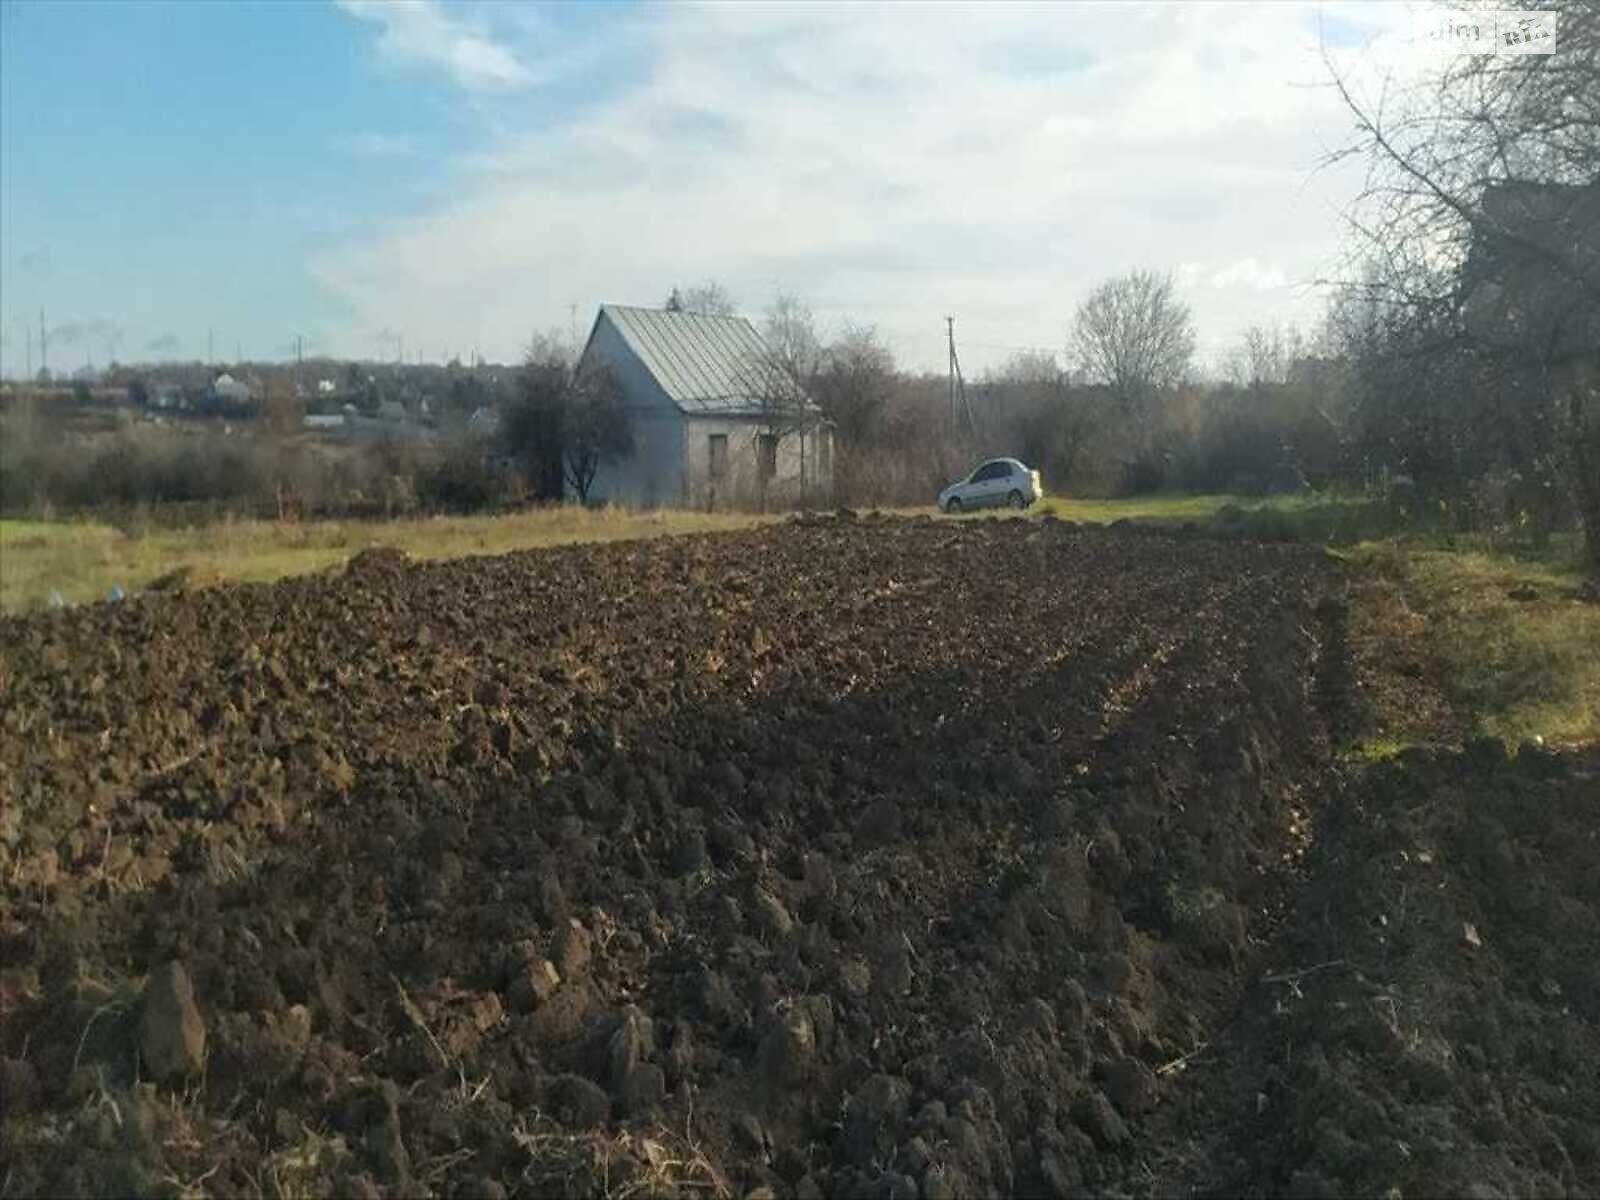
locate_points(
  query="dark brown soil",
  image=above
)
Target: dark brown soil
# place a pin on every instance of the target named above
(1429, 1024)
(870, 858)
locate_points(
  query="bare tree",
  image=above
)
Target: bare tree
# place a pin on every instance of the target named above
(1135, 336)
(595, 427)
(854, 383)
(790, 332)
(1479, 228)
(1265, 355)
(708, 299)
(566, 420)
(531, 428)
(780, 379)
(1054, 421)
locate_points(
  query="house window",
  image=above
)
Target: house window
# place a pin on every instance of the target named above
(767, 455)
(719, 455)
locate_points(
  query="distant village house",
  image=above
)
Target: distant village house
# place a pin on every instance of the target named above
(228, 389)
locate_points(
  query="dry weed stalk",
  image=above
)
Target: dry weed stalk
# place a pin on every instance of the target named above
(625, 1164)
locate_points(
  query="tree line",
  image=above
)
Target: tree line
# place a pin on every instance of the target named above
(1457, 367)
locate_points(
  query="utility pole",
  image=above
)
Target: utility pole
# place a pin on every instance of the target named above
(44, 345)
(950, 367)
(958, 387)
(28, 329)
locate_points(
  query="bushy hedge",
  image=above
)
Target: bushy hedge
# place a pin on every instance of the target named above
(142, 466)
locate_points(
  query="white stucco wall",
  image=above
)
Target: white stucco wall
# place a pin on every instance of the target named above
(802, 477)
(653, 476)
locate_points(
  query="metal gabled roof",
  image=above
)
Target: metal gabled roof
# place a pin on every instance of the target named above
(705, 364)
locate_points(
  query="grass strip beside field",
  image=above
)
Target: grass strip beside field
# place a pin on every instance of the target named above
(84, 560)
(1179, 507)
(1451, 644)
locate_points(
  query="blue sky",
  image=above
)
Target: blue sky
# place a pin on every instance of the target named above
(462, 175)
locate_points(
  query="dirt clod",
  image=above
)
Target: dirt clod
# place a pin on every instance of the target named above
(1094, 1113)
(772, 915)
(788, 1048)
(19, 1086)
(172, 1037)
(1131, 1087)
(578, 1103)
(573, 949)
(532, 984)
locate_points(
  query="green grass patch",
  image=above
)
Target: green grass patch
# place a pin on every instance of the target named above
(1136, 508)
(1471, 642)
(1312, 516)
(1165, 508)
(1377, 749)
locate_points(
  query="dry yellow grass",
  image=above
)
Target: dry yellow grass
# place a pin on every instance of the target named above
(84, 560)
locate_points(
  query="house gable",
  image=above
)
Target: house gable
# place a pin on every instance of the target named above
(642, 394)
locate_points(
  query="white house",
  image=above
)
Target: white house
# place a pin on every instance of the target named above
(227, 388)
(714, 423)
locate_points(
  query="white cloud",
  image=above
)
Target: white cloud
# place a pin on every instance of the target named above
(893, 165)
(1249, 273)
(422, 32)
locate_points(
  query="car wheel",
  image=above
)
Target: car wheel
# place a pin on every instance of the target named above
(953, 505)
(1015, 500)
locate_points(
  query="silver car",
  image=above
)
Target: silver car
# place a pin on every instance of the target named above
(1000, 481)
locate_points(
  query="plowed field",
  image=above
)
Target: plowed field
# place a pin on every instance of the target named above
(879, 858)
